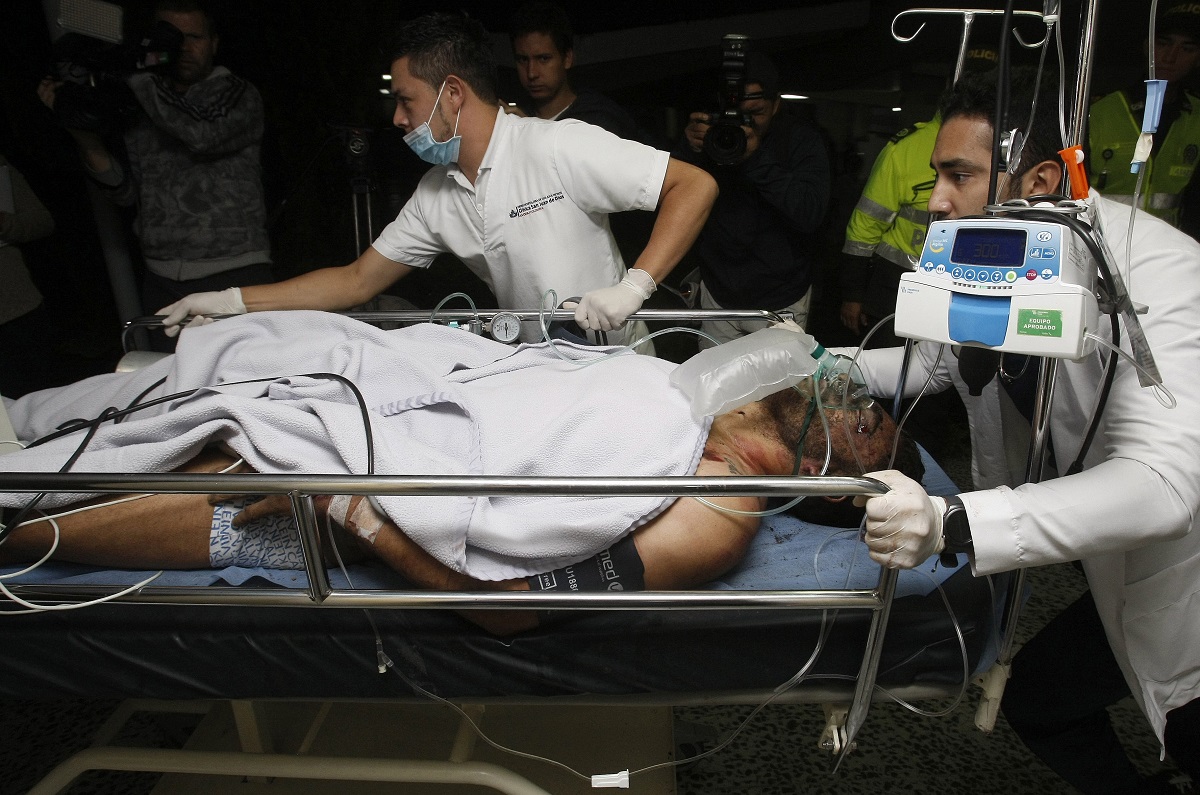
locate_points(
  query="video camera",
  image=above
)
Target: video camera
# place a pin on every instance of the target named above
(94, 70)
(725, 141)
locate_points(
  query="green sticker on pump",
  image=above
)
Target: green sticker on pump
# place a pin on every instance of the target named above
(1040, 322)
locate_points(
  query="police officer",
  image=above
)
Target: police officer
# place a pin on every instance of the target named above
(1116, 122)
(886, 230)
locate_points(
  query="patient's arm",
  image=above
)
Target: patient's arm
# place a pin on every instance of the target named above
(160, 531)
(688, 544)
(152, 531)
(691, 543)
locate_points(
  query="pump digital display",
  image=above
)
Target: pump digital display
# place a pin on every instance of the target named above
(1001, 248)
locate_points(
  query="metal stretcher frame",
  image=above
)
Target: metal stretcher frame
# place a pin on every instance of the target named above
(321, 594)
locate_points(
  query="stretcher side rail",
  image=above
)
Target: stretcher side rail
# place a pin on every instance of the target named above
(408, 316)
(301, 489)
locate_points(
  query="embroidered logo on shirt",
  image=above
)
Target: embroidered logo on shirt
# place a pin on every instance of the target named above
(535, 205)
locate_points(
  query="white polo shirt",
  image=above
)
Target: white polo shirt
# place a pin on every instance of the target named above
(537, 217)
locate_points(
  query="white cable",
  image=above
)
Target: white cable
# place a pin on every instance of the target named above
(917, 399)
(853, 556)
(386, 663)
(83, 509)
(36, 608)
(16, 442)
(33, 566)
(862, 346)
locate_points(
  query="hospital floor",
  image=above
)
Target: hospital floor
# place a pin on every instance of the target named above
(775, 754)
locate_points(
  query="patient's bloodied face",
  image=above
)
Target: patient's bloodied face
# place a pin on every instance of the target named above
(856, 425)
(761, 438)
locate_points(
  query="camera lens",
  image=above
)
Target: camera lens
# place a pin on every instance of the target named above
(725, 142)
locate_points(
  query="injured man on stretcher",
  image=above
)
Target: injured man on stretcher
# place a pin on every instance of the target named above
(315, 393)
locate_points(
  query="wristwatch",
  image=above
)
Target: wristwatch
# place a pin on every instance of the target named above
(956, 531)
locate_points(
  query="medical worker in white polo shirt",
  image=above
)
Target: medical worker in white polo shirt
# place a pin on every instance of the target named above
(524, 203)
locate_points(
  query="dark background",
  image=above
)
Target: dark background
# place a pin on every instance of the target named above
(318, 65)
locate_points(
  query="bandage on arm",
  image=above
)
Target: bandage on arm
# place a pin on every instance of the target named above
(358, 515)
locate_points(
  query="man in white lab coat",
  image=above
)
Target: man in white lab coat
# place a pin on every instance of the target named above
(1130, 516)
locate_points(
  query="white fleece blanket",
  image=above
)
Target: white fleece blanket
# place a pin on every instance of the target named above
(441, 401)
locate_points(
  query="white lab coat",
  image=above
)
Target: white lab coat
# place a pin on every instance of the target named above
(1131, 515)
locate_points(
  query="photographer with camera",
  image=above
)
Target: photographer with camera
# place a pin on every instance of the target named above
(191, 155)
(772, 169)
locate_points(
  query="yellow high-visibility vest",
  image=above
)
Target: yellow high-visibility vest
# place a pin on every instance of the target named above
(892, 214)
(1113, 131)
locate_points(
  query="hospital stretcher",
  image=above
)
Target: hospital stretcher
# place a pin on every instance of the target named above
(326, 635)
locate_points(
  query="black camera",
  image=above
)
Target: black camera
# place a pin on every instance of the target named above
(94, 92)
(725, 141)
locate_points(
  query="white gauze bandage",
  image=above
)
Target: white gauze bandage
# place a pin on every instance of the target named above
(364, 522)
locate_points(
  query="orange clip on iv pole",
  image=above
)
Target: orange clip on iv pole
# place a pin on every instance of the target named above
(1072, 157)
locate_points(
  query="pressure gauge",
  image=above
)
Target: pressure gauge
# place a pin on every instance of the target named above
(506, 327)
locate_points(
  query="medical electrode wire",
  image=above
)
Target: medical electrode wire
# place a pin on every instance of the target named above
(1062, 86)
(796, 679)
(962, 646)
(846, 394)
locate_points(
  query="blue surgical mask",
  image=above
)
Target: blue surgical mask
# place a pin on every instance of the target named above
(420, 140)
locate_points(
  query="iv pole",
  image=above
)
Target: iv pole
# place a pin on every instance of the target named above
(1044, 399)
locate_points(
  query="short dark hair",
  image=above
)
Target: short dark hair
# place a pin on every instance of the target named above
(187, 7)
(541, 16)
(439, 45)
(974, 96)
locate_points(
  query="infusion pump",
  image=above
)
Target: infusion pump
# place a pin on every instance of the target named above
(1003, 283)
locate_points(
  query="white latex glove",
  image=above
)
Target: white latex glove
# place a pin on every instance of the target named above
(607, 308)
(199, 306)
(789, 325)
(904, 526)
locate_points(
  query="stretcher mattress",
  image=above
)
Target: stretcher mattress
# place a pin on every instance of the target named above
(188, 651)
